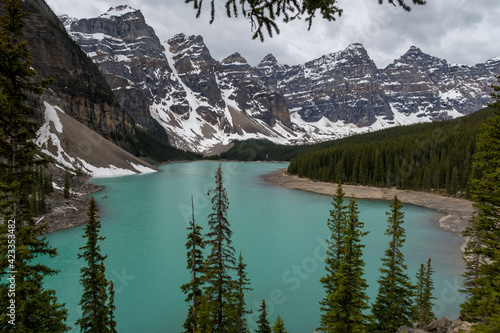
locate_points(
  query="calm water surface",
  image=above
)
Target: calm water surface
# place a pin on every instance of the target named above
(280, 232)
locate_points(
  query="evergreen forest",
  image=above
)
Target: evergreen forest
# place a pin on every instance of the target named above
(435, 156)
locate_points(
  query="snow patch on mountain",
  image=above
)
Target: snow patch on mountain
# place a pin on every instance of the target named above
(118, 11)
(204, 104)
(75, 147)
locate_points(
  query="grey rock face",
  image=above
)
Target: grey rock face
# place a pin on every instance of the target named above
(131, 58)
(347, 86)
(197, 98)
(250, 93)
(78, 87)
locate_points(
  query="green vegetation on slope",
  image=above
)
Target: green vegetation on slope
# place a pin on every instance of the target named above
(155, 145)
(435, 156)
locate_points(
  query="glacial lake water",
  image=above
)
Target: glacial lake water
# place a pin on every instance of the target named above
(280, 232)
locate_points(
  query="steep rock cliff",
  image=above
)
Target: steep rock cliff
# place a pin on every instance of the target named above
(78, 88)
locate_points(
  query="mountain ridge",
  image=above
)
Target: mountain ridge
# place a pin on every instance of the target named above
(203, 104)
(78, 112)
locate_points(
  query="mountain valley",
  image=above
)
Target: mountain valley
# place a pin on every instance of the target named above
(204, 104)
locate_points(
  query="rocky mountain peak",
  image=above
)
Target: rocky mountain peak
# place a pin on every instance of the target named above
(356, 49)
(270, 71)
(268, 61)
(414, 58)
(123, 10)
(234, 58)
(413, 49)
(196, 68)
(120, 32)
(492, 65)
(354, 60)
(182, 42)
(130, 56)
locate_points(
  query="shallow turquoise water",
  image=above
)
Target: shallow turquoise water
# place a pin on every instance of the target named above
(280, 232)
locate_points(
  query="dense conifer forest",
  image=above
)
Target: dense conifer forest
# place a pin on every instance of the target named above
(432, 156)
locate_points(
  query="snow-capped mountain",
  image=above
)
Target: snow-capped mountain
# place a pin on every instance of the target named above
(203, 104)
(82, 126)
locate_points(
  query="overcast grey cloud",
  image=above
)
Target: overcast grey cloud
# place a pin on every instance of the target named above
(460, 31)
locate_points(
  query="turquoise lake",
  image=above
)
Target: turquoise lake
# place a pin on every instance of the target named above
(280, 232)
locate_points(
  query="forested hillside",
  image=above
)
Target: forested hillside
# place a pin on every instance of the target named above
(436, 156)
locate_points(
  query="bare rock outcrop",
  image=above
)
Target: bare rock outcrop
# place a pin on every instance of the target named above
(442, 325)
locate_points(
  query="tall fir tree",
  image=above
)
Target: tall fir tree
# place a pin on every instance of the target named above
(112, 308)
(220, 262)
(192, 289)
(279, 326)
(423, 294)
(263, 325)
(349, 298)
(482, 255)
(94, 302)
(21, 239)
(334, 255)
(393, 306)
(240, 308)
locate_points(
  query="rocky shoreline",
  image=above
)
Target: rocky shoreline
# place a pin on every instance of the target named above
(66, 213)
(457, 211)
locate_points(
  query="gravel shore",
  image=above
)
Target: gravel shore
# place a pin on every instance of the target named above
(457, 211)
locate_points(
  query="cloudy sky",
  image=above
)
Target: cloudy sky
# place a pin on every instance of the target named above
(461, 31)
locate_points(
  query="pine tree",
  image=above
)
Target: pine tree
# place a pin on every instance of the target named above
(344, 283)
(220, 262)
(393, 306)
(333, 257)
(242, 285)
(263, 322)
(423, 294)
(482, 276)
(279, 326)
(192, 289)
(21, 240)
(349, 298)
(96, 310)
